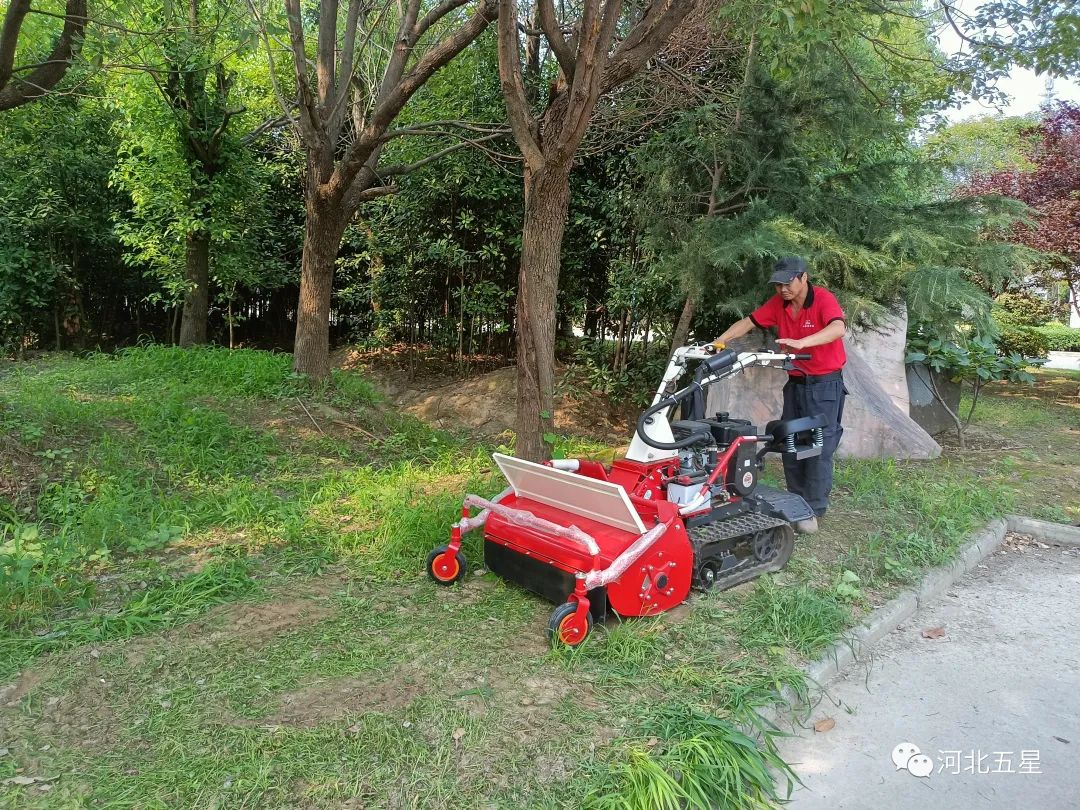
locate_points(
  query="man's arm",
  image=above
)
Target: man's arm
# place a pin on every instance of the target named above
(834, 331)
(736, 330)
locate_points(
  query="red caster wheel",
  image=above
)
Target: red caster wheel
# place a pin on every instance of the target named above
(566, 628)
(446, 568)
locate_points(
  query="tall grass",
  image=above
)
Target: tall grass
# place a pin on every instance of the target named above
(158, 446)
(700, 761)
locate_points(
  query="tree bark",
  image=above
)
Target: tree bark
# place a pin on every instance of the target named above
(547, 198)
(322, 238)
(682, 328)
(197, 298)
(43, 78)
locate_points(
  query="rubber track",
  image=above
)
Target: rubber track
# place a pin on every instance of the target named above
(740, 526)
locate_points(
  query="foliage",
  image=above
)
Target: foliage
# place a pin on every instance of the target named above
(1060, 338)
(790, 180)
(1024, 341)
(184, 162)
(982, 146)
(592, 370)
(1018, 309)
(58, 254)
(1048, 186)
(974, 361)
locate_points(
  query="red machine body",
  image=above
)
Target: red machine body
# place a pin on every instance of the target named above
(684, 509)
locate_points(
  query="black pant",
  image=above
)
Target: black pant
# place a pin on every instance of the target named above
(812, 478)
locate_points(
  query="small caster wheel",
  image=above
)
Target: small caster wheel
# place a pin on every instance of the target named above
(446, 568)
(566, 628)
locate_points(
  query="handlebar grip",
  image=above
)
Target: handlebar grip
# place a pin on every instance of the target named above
(804, 357)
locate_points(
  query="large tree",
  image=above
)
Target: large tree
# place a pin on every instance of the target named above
(598, 46)
(350, 87)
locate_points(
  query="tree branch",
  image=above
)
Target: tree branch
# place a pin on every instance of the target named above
(550, 26)
(400, 169)
(49, 73)
(855, 74)
(309, 116)
(646, 37)
(517, 106)
(434, 16)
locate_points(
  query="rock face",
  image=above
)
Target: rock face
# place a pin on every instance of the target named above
(925, 408)
(885, 344)
(874, 426)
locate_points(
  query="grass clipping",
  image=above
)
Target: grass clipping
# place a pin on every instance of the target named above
(709, 762)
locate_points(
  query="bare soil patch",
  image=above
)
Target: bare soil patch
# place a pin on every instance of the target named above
(480, 395)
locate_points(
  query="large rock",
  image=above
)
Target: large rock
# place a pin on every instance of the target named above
(874, 426)
(926, 408)
(885, 342)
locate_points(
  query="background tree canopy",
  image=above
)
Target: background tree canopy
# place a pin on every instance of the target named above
(157, 190)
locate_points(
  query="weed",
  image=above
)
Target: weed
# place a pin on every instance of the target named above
(803, 618)
(704, 762)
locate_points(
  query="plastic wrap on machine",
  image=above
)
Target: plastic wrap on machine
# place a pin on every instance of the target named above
(597, 579)
(476, 521)
(520, 517)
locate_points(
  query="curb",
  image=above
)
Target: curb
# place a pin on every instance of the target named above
(1055, 533)
(854, 646)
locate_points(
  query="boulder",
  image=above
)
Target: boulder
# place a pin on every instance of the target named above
(926, 408)
(886, 342)
(874, 425)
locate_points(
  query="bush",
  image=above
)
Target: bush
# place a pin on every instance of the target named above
(1016, 309)
(1025, 341)
(1060, 338)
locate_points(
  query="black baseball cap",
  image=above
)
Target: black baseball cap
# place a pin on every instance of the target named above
(787, 269)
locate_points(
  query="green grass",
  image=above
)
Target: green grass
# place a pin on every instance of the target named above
(215, 601)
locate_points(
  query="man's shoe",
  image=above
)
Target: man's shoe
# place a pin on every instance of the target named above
(808, 526)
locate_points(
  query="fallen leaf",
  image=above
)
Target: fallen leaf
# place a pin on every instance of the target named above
(822, 726)
(933, 632)
(458, 733)
(21, 781)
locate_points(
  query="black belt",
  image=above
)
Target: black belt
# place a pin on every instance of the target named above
(803, 379)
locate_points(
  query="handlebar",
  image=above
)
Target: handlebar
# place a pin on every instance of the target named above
(716, 362)
(667, 402)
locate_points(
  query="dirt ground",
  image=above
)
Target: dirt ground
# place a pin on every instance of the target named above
(484, 400)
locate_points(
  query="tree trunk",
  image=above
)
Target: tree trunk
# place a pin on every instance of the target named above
(197, 299)
(322, 239)
(547, 197)
(682, 328)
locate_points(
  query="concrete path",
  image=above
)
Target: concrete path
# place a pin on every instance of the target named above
(1063, 360)
(993, 705)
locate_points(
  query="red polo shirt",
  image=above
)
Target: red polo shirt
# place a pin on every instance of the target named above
(819, 310)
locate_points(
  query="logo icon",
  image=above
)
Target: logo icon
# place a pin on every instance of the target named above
(907, 757)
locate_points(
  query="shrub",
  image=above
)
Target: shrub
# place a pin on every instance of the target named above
(1060, 338)
(1026, 341)
(1017, 309)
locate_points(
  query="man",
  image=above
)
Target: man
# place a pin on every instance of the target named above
(808, 320)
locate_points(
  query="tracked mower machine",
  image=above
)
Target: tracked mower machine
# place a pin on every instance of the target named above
(683, 509)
